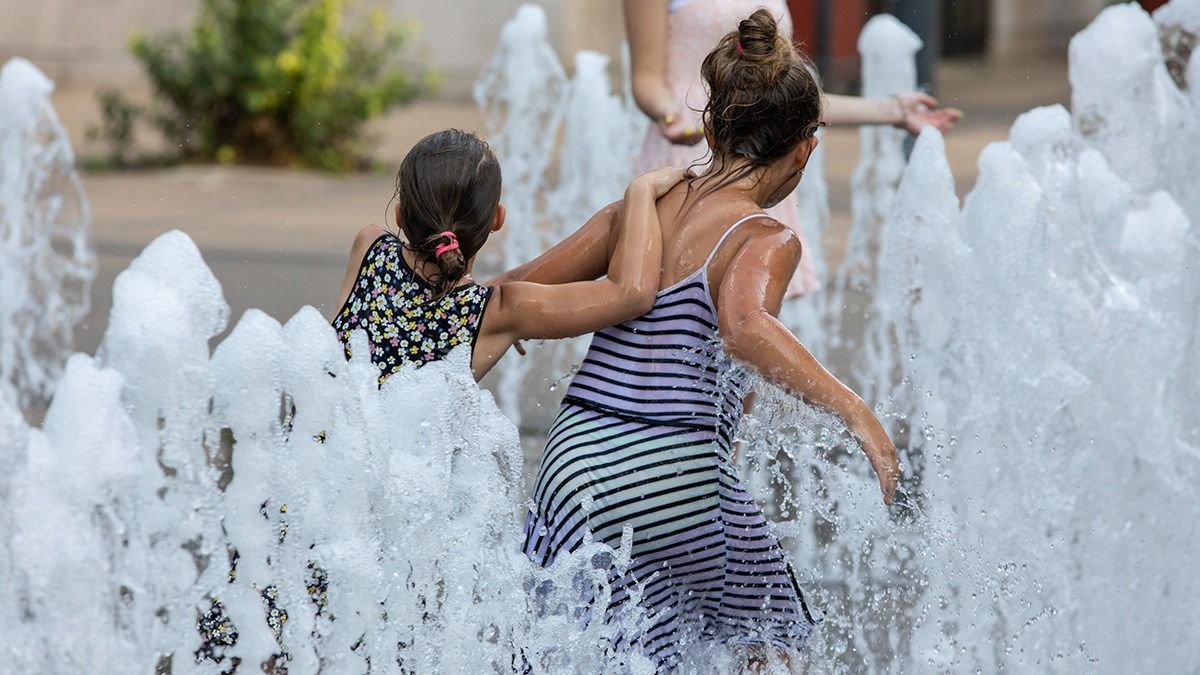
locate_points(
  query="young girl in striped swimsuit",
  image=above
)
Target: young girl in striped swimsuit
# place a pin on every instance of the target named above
(644, 433)
(415, 298)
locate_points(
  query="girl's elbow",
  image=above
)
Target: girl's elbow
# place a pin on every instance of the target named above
(640, 297)
(743, 337)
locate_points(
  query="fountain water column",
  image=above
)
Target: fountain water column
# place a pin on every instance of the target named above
(46, 263)
(592, 132)
(888, 50)
(824, 323)
(602, 133)
(521, 93)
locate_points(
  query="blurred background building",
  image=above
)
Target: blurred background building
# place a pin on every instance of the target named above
(86, 41)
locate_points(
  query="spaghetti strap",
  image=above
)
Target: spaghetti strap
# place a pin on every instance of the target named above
(712, 254)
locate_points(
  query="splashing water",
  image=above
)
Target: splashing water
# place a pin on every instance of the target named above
(46, 265)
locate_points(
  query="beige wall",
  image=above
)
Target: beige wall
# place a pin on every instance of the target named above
(460, 36)
(1034, 27)
(85, 42)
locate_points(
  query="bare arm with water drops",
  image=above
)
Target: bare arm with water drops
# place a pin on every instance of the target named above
(911, 111)
(528, 310)
(748, 302)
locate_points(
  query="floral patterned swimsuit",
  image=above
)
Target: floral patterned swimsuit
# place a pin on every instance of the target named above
(406, 322)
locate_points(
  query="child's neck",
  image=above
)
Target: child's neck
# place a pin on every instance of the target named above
(752, 187)
(427, 269)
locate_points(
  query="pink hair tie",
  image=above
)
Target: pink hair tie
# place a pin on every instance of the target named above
(741, 50)
(443, 249)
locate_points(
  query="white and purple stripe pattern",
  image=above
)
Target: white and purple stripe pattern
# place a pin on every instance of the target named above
(643, 439)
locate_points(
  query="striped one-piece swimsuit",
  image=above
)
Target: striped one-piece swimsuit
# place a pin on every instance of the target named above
(643, 438)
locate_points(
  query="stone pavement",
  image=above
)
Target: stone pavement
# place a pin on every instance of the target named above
(278, 239)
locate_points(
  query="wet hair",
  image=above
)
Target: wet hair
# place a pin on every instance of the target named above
(448, 182)
(763, 97)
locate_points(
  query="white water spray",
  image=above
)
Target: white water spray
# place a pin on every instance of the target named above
(274, 493)
(46, 265)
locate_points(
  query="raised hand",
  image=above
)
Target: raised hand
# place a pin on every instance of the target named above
(674, 130)
(921, 110)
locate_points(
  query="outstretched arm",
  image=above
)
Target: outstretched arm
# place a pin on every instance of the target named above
(912, 111)
(523, 309)
(748, 301)
(583, 256)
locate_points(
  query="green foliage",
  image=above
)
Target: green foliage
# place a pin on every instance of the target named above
(116, 128)
(276, 82)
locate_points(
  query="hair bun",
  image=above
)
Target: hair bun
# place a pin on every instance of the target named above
(763, 97)
(758, 34)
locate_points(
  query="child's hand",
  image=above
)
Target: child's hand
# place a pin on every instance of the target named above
(919, 110)
(672, 128)
(881, 451)
(660, 181)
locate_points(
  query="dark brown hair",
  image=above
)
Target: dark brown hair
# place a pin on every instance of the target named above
(763, 96)
(448, 182)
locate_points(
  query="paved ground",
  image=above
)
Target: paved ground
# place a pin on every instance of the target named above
(278, 239)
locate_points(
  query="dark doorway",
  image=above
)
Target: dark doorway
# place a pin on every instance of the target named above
(964, 26)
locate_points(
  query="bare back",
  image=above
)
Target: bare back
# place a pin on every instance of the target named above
(691, 228)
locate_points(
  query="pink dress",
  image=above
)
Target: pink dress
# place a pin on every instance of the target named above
(693, 28)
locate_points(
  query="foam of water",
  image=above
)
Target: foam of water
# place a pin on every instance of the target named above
(46, 265)
(380, 523)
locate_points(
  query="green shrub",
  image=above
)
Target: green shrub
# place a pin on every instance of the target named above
(276, 82)
(116, 129)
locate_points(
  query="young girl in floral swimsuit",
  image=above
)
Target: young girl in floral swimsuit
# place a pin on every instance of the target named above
(416, 299)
